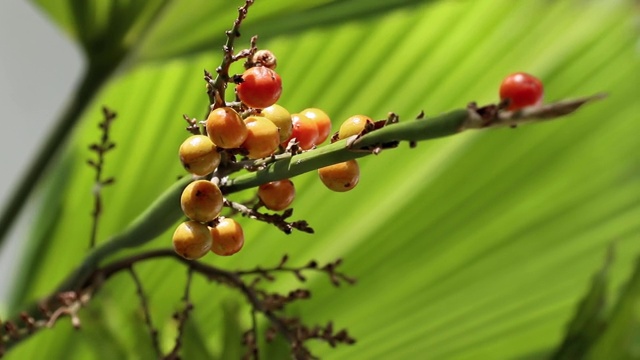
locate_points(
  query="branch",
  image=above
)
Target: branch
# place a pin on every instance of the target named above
(267, 304)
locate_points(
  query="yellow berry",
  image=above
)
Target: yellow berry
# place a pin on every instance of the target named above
(199, 155)
(228, 237)
(226, 128)
(262, 137)
(281, 118)
(277, 195)
(340, 177)
(192, 240)
(353, 126)
(201, 201)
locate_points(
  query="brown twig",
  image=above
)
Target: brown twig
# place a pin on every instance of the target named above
(100, 149)
(153, 332)
(279, 220)
(181, 317)
(216, 87)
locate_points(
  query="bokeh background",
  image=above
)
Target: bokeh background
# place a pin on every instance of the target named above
(38, 69)
(474, 246)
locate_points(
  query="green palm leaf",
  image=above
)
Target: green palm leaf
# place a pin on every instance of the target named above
(475, 246)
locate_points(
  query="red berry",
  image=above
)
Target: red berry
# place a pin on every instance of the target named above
(305, 131)
(521, 90)
(260, 87)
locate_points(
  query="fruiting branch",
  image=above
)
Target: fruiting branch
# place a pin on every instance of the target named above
(163, 212)
(262, 302)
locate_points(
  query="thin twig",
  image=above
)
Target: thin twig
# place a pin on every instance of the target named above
(182, 317)
(101, 148)
(279, 220)
(153, 332)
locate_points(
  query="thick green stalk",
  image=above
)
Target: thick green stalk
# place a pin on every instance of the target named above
(417, 130)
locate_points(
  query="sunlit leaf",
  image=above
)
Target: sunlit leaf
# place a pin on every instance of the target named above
(475, 246)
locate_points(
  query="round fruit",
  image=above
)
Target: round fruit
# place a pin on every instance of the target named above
(353, 126)
(281, 118)
(201, 201)
(277, 195)
(226, 128)
(340, 177)
(521, 90)
(228, 237)
(262, 137)
(192, 240)
(305, 131)
(260, 87)
(323, 122)
(199, 155)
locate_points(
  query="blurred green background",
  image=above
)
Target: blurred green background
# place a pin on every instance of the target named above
(478, 246)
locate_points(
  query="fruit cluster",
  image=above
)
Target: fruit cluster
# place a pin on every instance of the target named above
(254, 127)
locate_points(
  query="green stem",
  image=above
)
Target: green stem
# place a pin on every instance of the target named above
(91, 82)
(418, 130)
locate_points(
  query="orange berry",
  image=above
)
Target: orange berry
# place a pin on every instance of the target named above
(226, 128)
(353, 126)
(340, 177)
(201, 201)
(199, 155)
(322, 120)
(277, 195)
(192, 240)
(262, 137)
(281, 118)
(305, 131)
(228, 237)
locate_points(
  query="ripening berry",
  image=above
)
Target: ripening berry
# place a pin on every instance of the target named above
(199, 155)
(305, 131)
(226, 128)
(281, 118)
(353, 126)
(192, 240)
(322, 120)
(340, 177)
(228, 237)
(521, 90)
(201, 201)
(262, 137)
(277, 195)
(260, 87)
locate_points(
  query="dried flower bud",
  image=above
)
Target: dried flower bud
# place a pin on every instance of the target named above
(265, 58)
